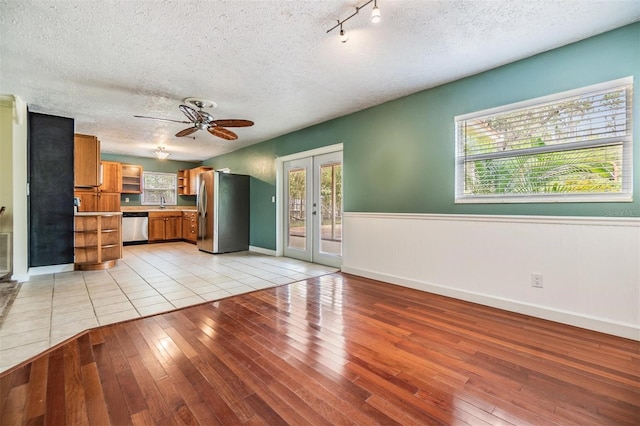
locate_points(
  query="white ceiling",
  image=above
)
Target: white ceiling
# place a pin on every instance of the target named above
(270, 61)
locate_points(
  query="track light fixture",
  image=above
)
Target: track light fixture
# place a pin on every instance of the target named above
(343, 36)
(375, 13)
(375, 17)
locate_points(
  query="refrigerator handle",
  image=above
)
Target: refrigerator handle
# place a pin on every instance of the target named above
(202, 199)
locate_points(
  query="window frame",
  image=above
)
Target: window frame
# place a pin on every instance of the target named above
(625, 195)
(171, 201)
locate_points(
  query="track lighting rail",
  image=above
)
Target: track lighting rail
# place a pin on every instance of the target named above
(375, 18)
(349, 17)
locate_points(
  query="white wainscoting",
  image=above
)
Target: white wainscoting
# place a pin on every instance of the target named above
(590, 266)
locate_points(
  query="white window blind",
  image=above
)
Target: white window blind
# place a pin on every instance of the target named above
(156, 185)
(574, 146)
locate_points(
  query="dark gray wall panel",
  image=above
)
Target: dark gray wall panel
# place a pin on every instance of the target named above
(51, 190)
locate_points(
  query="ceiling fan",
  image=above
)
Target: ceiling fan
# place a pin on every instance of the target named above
(202, 120)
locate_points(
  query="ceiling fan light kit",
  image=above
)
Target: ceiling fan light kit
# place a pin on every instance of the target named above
(202, 120)
(375, 18)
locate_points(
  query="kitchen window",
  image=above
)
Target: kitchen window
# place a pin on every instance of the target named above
(569, 147)
(158, 185)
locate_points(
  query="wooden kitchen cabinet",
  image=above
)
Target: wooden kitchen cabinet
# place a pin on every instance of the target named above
(106, 197)
(189, 226)
(97, 184)
(183, 182)
(108, 194)
(173, 228)
(86, 153)
(165, 226)
(131, 179)
(96, 201)
(88, 200)
(108, 202)
(98, 240)
(193, 178)
(111, 177)
(156, 228)
(188, 180)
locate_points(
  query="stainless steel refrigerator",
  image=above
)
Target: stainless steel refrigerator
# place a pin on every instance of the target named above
(223, 212)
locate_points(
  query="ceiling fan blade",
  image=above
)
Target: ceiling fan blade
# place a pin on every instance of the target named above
(191, 113)
(187, 131)
(233, 123)
(162, 119)
(223, 133)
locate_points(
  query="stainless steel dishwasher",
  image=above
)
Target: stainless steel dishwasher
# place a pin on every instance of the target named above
(135, 228)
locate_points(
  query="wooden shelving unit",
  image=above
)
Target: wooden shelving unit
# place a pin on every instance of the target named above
(98, 241)
(187, 180)
(131, 179)
(183, 182)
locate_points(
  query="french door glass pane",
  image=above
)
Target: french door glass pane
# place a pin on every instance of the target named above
(297, 211)
(331, 208)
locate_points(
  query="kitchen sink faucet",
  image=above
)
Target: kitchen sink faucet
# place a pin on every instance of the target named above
(162, 201)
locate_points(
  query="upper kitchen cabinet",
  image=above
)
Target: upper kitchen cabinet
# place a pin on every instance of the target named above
(183, 181)
(106, 197)
(131, 176)
(193, 178)
(111, 177)
(188, 179)
(86, 170)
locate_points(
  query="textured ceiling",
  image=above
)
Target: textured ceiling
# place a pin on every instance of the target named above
(270, 61)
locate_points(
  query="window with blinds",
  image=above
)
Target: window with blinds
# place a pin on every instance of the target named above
(158, 187)
(569, 147)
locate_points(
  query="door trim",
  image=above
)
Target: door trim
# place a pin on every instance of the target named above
(280, 181)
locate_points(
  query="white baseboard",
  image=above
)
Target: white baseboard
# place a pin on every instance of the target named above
(261, 250)
(597, 324)
(20, 277)
(53, 269)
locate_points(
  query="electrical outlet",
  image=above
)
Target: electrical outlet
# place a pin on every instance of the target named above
(126, 199)
(536, 280)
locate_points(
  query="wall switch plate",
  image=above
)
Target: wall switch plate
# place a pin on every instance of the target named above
(126, 199)
(273, 198)
(536, 280)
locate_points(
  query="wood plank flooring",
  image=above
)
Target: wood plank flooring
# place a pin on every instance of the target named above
(333, 350)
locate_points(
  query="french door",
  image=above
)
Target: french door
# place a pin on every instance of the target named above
(313, 209)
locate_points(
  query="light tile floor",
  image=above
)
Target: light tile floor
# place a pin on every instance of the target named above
(150, 279)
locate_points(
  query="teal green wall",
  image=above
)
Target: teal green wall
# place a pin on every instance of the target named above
(152, 165)
(399, 156)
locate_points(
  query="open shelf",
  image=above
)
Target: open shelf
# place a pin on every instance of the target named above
(131, 179)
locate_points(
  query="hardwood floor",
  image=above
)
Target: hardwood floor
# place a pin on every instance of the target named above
(333, 350)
